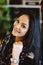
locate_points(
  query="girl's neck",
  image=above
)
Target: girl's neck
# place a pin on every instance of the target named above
(17, 39)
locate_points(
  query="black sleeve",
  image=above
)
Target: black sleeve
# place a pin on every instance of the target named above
(3, 51)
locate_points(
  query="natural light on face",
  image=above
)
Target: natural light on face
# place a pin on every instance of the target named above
(21, 25)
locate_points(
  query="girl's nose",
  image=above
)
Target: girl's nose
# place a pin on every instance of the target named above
(18, 26)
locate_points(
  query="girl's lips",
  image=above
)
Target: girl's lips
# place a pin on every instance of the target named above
(17, 31)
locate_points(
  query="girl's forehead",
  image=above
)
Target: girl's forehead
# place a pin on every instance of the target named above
(24, 16)
(23, 19)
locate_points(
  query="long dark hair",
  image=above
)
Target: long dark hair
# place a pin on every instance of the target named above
(27, 39)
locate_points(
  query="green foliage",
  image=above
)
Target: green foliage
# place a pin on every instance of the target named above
(4, 14)
(5, 19)
(2, 2)
(7, 25)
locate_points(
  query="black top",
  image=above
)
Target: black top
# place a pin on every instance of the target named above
(6, 52)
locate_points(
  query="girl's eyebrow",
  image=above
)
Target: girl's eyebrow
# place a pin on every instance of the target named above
(24, 23)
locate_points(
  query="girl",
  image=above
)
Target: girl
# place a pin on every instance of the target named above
(17, 47)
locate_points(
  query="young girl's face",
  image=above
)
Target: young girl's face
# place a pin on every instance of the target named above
(21, 26)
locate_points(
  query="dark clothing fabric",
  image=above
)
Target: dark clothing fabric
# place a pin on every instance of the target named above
(6, 52)
(27, 61)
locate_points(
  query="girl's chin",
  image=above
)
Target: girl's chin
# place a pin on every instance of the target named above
(17, 34)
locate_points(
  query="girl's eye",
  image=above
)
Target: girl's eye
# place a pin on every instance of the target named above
(23, 26)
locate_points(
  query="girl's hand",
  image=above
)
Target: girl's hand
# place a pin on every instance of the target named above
(31, 55)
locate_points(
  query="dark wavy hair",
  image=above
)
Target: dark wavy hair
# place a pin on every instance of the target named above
(28, 38)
